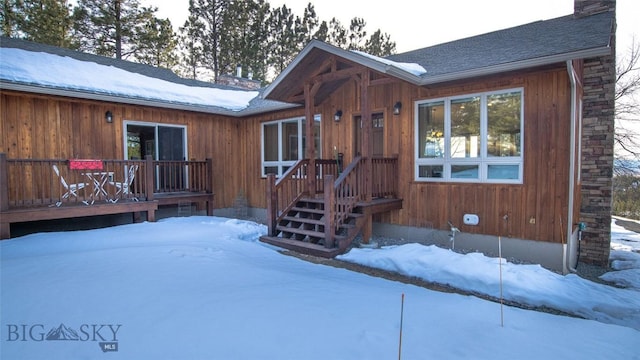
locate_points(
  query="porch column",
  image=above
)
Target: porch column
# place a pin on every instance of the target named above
(309, 92)
(367, 149)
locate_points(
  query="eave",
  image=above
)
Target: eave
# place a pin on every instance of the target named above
(274, 91)
(4, 85)
(513, 66)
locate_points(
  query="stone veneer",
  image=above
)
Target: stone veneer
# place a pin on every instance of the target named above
(598, 113)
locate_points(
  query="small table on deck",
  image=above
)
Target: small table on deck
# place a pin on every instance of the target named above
(97, 177)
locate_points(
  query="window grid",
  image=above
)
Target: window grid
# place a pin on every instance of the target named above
(436, 165)
(288, 145)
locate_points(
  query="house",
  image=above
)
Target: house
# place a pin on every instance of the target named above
(506, 135)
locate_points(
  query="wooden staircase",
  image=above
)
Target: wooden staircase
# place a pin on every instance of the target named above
(302, 229)
(309, 212)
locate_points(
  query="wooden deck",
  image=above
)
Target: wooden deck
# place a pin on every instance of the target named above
(30, 190)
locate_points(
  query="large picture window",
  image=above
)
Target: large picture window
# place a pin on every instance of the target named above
(284, 143)
(471, 138)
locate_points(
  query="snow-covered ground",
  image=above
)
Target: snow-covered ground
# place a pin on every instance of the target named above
(205, 288)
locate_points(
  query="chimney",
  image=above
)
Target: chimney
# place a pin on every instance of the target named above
(239, 71)
(582, 8)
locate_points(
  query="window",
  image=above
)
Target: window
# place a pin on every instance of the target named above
(284, 143)
(471, 138)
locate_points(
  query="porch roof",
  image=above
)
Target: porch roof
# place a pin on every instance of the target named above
(534, 44)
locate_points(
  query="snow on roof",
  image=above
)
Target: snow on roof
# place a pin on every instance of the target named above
(49, 70)
(413, 68)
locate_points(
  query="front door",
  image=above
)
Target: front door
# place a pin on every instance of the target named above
(377, 134)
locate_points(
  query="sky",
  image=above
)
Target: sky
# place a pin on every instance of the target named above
(205, 288)
(413, 25)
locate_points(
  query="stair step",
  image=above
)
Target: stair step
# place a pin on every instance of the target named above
(303, 220)
(310, 233)
(308, 210)
(302, 247)
(312, 200)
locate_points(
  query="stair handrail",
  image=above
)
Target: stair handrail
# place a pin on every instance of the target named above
(284, 193)
(348, 190)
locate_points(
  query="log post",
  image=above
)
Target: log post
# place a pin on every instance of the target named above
(310, 153)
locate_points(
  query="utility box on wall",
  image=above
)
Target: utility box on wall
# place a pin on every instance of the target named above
(470, 219)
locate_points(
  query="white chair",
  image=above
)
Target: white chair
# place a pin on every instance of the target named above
(72, 189)
(125, 186)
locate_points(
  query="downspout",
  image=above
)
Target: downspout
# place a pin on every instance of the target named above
(572, 168)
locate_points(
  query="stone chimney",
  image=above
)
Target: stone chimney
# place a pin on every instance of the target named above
(239, 82)
(598, 123)
(583, 8)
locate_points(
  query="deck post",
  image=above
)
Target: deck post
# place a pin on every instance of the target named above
(148, 177)
(149, 185)
(329, 212)
(271, 204)
(4, 183)
(210, 186)
(5, 227)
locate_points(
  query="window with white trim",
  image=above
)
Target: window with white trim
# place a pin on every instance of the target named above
(284, 143)
(470, 138)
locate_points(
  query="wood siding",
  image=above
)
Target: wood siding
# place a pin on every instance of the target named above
(51, 127)
(536, 209)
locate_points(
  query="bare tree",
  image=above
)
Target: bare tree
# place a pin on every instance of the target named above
(627, 137)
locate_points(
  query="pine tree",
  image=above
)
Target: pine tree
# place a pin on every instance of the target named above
(10, 16)
(310, 25)
(43, 21)
(337, 34)
(48, 22)
(191, 56)
(111, 28)
(284, 38)
(357, 34)
(211, 14)
(157, 44)
(380, 44)
(246, 33)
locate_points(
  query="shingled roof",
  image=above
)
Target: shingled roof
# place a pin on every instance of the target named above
(559, 39)
(521, 47)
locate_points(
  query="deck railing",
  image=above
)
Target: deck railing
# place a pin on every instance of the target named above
(384, 177)
(347, 191)
(325, 167)
(34, 182)
(283, 193)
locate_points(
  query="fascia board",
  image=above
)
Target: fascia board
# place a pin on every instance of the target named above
(139, 101)
(519, 65)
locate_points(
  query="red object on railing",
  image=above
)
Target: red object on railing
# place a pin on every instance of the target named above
(85, 164)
